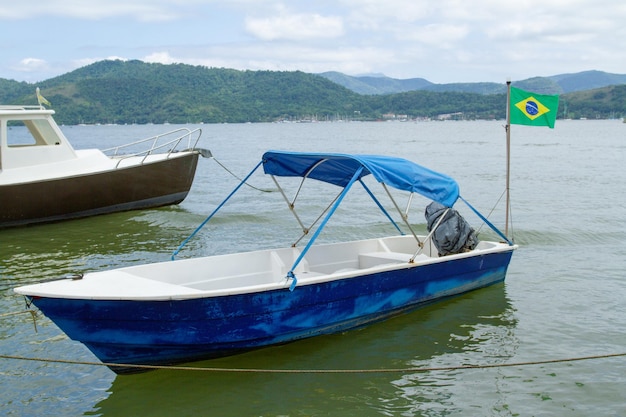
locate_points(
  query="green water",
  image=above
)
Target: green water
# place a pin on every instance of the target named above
(563, 296)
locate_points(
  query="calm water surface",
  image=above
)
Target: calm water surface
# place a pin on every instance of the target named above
(563, 296)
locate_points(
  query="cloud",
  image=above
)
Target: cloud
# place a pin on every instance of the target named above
(442, 41)
(289, 57)
(385, 15)
(141, 10)
(295, 27)
(32, 65)
(161, 58)
(438, 35)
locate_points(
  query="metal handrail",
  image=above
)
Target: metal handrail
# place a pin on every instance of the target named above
(17, 107)
(155, 146)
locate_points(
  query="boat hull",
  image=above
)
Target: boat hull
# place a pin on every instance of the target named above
(142, 186)
(176, 331)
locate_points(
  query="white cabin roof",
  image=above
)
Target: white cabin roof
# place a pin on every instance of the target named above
(29, 136)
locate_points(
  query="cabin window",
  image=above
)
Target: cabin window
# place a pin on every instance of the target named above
(31, 133)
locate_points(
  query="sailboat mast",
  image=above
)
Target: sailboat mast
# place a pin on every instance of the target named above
(508, 155)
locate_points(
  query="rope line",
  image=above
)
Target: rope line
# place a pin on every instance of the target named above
(239, 178)
(32, 313)
(317, 371)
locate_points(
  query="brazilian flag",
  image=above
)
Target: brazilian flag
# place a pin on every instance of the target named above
(532, 109)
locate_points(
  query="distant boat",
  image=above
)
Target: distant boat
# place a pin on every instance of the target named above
(191, 309)
(44, 179)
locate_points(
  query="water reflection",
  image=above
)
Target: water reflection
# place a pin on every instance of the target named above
(473, 328)
(489, 340)
(49, 251)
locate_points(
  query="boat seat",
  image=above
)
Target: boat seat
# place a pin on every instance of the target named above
(370, 259)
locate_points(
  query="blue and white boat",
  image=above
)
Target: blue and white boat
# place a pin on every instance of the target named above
(191, 309)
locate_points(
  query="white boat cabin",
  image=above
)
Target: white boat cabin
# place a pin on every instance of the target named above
(42, 142)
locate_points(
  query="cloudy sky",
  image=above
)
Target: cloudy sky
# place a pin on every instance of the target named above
(442, 41)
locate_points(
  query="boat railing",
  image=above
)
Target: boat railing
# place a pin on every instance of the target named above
(19, 107)
(184, 139)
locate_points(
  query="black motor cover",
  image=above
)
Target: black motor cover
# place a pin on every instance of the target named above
(454, 234)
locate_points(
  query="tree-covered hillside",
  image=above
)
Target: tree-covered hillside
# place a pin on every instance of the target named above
(137, 92)
(599, 103)
(555, 84)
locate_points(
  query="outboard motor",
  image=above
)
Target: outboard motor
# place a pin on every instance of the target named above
(454, 234)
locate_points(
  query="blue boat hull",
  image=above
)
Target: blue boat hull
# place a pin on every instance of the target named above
(171, 332)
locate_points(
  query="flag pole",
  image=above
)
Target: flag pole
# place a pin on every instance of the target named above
(508, 155)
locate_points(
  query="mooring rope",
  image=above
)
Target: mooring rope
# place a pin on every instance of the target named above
(239, 178)
(317, 371)
(33, 314)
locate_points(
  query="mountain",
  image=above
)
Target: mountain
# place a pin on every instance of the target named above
(598, 103)
(556, 84)
(138, 92)
(587, 80)
(368, 84)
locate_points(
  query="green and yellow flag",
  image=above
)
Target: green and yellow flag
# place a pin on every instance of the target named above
(532, 109)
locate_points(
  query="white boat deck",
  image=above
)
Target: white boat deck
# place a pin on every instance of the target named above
(242, 272)
(221, 274)
(42, 152)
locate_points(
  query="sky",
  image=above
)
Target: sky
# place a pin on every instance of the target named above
(443, 41)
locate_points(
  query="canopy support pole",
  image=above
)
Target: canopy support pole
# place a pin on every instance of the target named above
(487, 222)
(215, 211)
(380, 206)
(432, 232)
(290, 274)
(291, 205)
(405, 218)
(307, 230)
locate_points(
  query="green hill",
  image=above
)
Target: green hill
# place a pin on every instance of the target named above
(600, 103)
(137, 92)
(556, 84)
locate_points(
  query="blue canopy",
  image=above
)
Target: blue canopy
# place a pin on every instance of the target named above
(338, 169)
